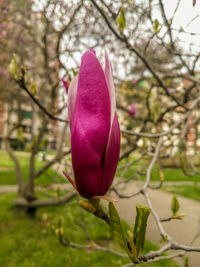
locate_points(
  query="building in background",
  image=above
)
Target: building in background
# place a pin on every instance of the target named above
(30, 124)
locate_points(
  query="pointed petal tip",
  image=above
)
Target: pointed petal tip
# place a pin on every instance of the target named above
(93, 51)
(89, 52)
(72, 92)
(70, 180)
(65, 83)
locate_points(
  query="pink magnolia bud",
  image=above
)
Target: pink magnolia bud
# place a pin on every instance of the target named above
(132, 109)
(65, 83)
(95, 132)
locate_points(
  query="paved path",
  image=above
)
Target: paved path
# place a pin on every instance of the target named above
(183, 231)
(8, 189)
(14, 188)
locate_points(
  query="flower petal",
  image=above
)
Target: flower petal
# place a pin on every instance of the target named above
(111, 157)
(86, 163)
(111, 87)
(72, 92)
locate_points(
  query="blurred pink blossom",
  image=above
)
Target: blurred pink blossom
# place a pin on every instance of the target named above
(133, 81)
(169, 89)
(132, 109)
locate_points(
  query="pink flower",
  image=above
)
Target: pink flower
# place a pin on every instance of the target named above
(132, 109)
(95, 132)
(65, 83)
(133, 81)
(169, 89)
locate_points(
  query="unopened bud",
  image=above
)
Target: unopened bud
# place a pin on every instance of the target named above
(87, 206)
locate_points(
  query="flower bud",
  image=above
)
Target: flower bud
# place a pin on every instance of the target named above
(94, 127)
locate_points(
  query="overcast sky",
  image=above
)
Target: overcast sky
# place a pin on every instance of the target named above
(187, 17)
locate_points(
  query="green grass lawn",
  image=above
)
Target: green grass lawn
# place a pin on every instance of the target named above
(174, 175)
(26, 242)
(7, 174)
(189, 191)
(170, 174)
(7, 170)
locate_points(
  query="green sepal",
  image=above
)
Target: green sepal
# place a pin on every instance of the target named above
(134, 251)
(86, 205)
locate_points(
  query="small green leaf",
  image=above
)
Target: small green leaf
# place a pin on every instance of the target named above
(13, 68)
(186, 262)
(182, 162)
(121, 20)
(175, 205)
(116, 227)
(140, 227)
(164, 239)
(156, 25)
(33, 88)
